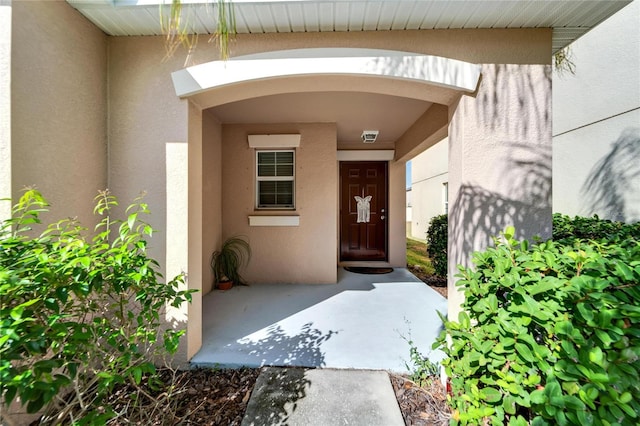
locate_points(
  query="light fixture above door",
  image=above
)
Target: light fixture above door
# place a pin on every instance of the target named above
(369, 136)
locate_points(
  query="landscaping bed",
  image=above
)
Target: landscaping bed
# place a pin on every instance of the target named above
(220, 397)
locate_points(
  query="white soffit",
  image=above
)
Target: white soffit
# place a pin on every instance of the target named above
(274, 141)
(449, 73)
(569, 19)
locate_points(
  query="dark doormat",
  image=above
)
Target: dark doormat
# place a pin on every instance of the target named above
(367, 270)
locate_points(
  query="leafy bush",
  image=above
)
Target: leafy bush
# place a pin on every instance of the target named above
(567, 230)
(550, 334)
(79, 317)
(437, 237)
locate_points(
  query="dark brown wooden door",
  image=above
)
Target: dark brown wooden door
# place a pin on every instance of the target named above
(365, 237)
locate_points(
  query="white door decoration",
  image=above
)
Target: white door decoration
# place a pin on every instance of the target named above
(364, 208)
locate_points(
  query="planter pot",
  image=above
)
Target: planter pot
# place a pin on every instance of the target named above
(225, 285)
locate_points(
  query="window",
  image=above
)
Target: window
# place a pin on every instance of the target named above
(275, 176)
(445, 197)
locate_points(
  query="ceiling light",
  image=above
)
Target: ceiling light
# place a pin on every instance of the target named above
(369, 136)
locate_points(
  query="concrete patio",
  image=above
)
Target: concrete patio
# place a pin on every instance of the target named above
(362, 322)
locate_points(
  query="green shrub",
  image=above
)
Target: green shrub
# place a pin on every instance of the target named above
(78, 317)
(567, 230)
(550, 334)
(437, 243)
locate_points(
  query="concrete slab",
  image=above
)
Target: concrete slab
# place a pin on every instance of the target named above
(363, 322)
(296, 396)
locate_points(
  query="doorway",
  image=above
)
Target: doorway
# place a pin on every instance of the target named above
(363, 211)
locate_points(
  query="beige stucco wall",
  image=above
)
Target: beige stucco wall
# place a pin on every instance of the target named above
(211, 194)
(302, 254)
(5, 107)
(397, 219)
(145, 116)
(58, 107)
(499, 163)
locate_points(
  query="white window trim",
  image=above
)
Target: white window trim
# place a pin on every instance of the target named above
(275, 178)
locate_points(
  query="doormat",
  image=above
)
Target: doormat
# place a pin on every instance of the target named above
(367, 270)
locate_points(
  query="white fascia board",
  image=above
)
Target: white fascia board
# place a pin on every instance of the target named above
(459, 75)
(274, 141)
(366, 155)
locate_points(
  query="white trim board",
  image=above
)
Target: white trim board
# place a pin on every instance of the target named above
(274, 220)
(274, 141)
(366, 155)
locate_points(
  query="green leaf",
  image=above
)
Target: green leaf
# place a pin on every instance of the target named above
(490, 394)
(538, 397)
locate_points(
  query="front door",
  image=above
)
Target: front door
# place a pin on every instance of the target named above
(363, 211)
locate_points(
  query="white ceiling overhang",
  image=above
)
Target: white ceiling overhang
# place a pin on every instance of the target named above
(424, 69)
(568, 19)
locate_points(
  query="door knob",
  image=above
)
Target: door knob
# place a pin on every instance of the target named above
(381, 217)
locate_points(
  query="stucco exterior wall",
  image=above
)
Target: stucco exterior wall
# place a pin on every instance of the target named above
(499, 163)
(596, 123)
(59, 107)
(303, 254)
(5, 107)
(144, 116)
(211, 194)
(429, 171)
(396, 217)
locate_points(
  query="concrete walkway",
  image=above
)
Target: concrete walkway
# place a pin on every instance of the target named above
(362, 323)
(301, 397)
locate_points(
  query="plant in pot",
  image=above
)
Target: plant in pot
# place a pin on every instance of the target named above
(226, 263)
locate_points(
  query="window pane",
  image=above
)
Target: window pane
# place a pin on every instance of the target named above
(284, 170)
(266, 170)
(284, 157)
(275, 194)
(266, 157)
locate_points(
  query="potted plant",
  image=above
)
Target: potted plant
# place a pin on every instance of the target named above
(226, 263)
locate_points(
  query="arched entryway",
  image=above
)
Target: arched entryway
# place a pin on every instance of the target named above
(327, 97)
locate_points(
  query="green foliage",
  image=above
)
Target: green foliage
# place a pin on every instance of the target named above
(437, 243)
(79, 316)
(423, 371)
(226, 263)
(567, 230)
(550, 334)
(417, 256)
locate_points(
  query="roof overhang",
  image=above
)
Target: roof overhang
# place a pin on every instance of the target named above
(568, 19)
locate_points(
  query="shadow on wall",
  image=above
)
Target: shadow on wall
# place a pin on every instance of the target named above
(501, 83)
(479, 214)
(612, 189)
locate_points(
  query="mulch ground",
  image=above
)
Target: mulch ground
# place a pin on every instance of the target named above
(437, 283)
(220, 397)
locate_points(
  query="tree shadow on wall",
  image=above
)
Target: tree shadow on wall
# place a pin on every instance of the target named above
(614, 179)
(478, 214)
(502, 83)
(279, 389)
